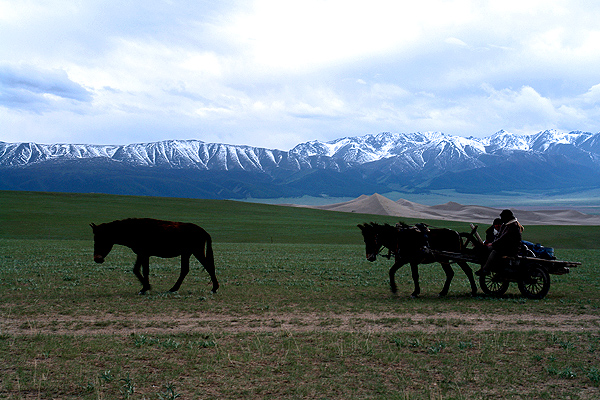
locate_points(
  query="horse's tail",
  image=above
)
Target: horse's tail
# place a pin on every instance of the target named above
(210, 258)
(209, 265)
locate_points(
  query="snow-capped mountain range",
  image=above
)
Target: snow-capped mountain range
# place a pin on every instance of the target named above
(548, 160)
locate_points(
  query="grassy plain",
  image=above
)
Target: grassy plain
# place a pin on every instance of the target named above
(300, 312)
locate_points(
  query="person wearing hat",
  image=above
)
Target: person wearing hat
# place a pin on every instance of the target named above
(507, 243)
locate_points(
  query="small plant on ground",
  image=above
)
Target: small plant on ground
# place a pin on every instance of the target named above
(127, 388)
(169, 393)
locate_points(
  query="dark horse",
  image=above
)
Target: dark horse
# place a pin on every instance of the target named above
(409, 245)
(150, 237)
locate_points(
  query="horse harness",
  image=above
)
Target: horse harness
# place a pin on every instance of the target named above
(420, 227)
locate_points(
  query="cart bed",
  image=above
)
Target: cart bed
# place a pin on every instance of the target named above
(556, 267)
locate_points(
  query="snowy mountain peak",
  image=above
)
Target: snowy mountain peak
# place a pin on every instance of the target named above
(350, 166)
(413, 151)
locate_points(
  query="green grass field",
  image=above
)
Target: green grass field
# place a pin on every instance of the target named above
(300, 312)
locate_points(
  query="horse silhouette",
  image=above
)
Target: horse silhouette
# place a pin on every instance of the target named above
(151, 237)
(409, 245)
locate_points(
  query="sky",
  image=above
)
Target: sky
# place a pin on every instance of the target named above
(276, 73)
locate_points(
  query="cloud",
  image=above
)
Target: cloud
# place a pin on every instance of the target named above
(524, 104)
(273, 73)
(36, 89)
(301, 36)
(388, 91)
(592, 96)
(527, 111)
(456, 42)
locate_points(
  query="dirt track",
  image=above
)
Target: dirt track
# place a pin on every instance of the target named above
(301, 322)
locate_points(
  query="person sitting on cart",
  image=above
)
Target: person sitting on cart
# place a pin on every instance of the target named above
(493, 231)
(508, 242)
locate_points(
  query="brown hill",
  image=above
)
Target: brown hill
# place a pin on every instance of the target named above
(451, 211)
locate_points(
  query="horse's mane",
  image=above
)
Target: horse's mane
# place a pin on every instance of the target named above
(117, 226)
(376, 225)
(131, 221)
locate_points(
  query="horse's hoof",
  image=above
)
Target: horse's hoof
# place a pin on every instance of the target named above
(141, 292)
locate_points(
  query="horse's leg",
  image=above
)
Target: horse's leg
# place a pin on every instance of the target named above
(185, 268)
(142, 261)
(395, 267)
(146, 273)
(136, 270)
(414, 267)
(449, 275)
(469, 272)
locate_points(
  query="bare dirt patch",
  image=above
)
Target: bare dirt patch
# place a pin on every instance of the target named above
(111, 324)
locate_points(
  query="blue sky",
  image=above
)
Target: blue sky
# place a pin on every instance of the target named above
(275, 73)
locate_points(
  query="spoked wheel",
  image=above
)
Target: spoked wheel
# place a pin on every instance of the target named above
(536, 285)
(492, 284)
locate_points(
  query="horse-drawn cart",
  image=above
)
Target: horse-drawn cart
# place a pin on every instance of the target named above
(532, 274)
(420, 244)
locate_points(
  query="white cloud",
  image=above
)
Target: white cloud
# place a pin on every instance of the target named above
(455, 41)
(388, 91)
(592, 96)
(276, 73)
(304, 35)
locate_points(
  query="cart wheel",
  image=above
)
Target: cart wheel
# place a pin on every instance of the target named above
(492, 284)
(536, 285)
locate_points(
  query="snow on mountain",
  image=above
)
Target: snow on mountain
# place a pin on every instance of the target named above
(544, 162)
(413, 151)
(543, 141)
(171, 154)
(504, 141)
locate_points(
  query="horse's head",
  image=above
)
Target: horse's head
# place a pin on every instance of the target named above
(102, 244)
(371, 238)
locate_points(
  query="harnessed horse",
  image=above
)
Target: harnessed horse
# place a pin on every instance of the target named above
(411, 245)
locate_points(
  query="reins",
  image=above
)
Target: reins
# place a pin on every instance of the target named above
(389, 254)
